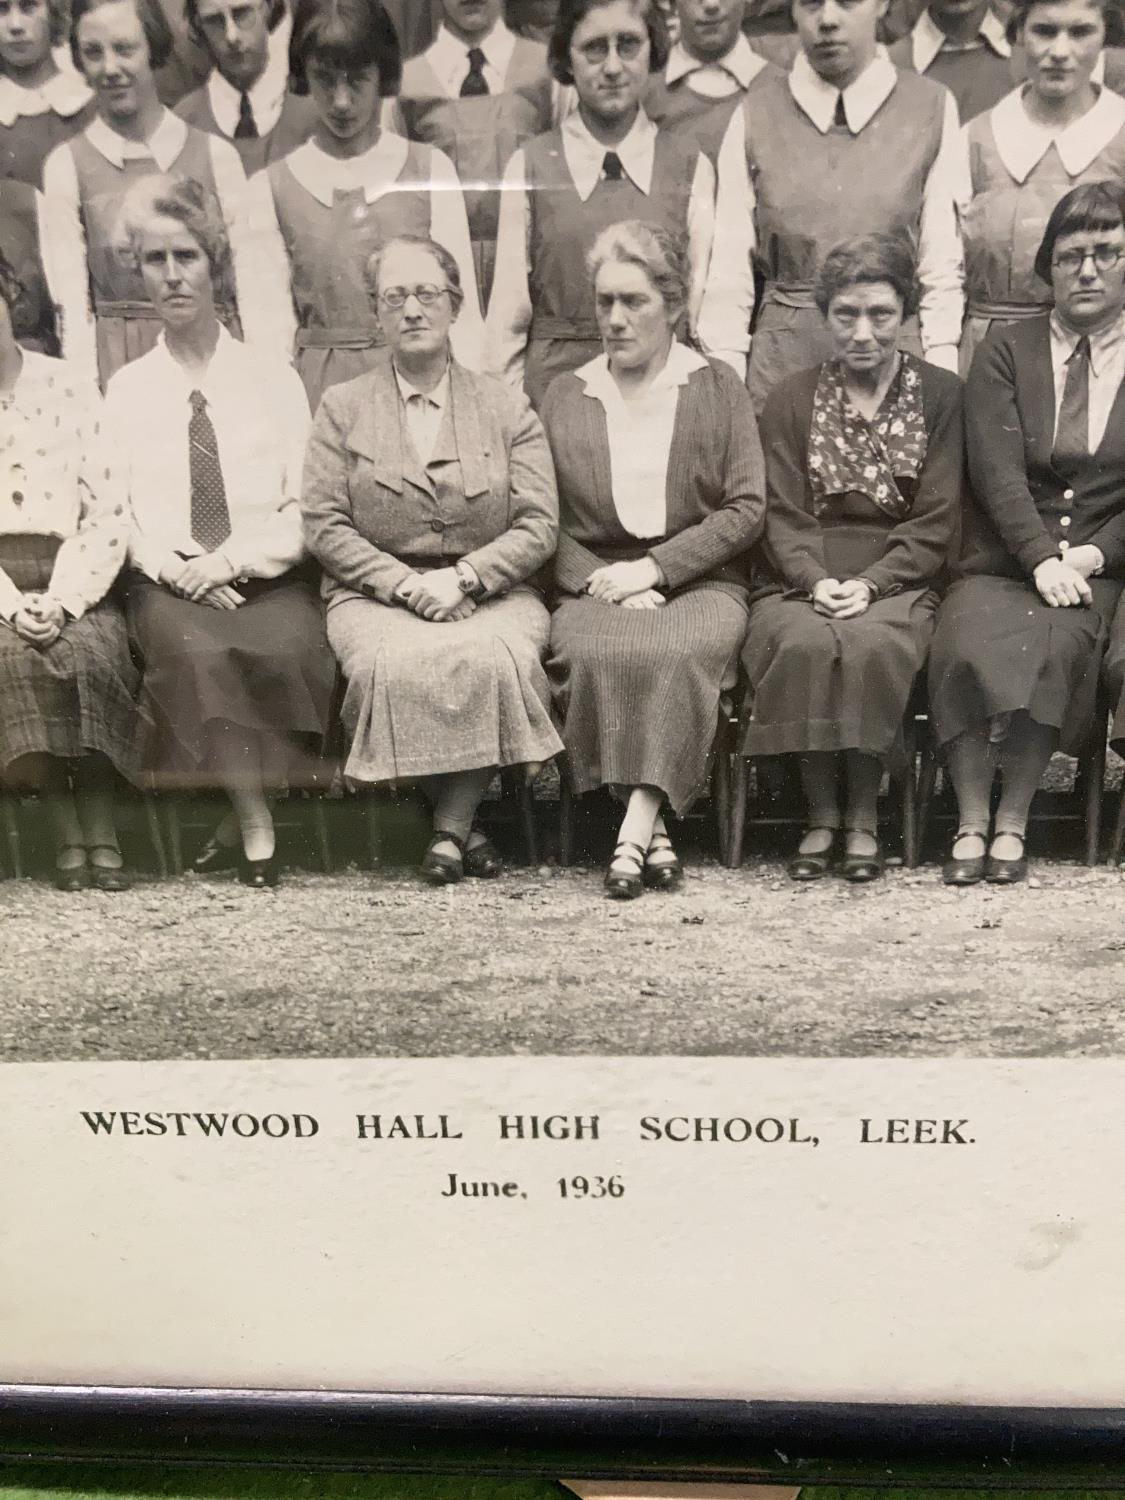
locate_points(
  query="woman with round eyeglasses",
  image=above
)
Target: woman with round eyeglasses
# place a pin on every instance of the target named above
(1059, 129)
(352, 187)
(40, 105)
(1021, 634)
(606, 163)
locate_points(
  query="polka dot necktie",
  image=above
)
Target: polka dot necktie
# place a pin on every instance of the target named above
(1072, 439)
(210, 515)
(475, 82)
(247, 128)
(612, 168)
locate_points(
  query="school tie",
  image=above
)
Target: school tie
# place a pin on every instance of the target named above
(612, 170)
(246, 129)
(1072, 436)
(475, 82)
(210, 515)
(840, 118)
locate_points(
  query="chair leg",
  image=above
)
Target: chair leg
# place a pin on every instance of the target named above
(373, 828)
(566, 818)
(175, 836)
(1118, 830)
(12, 836)
(526, 801)
(1095, 772)
(737, 836)
(722, 794)
(156, 835)
(927, 779)
(320, 825)
(910, 795)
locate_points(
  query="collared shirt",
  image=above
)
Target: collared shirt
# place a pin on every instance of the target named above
(1022, 142)
(940, 258)
(927, 40)
(376, 173)
(261, 266)
(56, 480)
(715, 80)
(423, 410)
(639, 429)
(509, 308)
(65, 94)
(1107, 368)
(448, 56)
(266, 96)
(260, 413)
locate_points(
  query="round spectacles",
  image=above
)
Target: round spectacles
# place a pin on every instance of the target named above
(628, 47)
(397, 296)
(1105, 257)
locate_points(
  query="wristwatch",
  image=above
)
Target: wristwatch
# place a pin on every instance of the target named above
(467, 580)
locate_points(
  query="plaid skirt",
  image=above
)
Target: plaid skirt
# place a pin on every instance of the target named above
(75, 696)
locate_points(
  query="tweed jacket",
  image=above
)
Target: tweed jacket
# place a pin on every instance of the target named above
(715, 487)
(1021, 500)
(373, 514)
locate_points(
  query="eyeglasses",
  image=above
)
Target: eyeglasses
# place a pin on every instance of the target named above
(1105, 257)
(628, 47)
(397, 296)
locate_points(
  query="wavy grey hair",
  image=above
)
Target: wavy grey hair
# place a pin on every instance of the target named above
(422, 244)
(185, 200)
(660, 253)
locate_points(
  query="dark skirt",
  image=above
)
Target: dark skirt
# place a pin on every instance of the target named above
(265, 667)
(830, 685)
(637, 690)
(76, 696)
(1113, 674)
(999, 649)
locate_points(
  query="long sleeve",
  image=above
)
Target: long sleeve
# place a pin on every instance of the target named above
(919, 546)
(10, 597)
(509, 306)
(62, 242)
(88, 561)
(533, 506)
(701, 235)
(272, 544)
(737, 523)
(449, 224)
(261, 268)
(728, 299)
(794, 540)
(997, 459)
(941, 267)
(330, 531)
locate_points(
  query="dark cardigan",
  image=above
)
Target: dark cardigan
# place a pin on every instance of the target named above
(917, 548)
(715, 488)
(1015, 523)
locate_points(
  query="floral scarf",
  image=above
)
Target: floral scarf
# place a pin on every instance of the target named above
(846, 452)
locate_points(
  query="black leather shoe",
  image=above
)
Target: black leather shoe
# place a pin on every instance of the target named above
(625, 885)
(860, 869)
(259, 874)
(1006, 871)
(964, 871)
(662, 874)
(214, 857)
(483, 860)
(443, 869)
(71, 878)
(813, 866)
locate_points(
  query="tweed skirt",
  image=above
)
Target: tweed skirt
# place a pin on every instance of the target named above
(265, 668)
(828, 685)
(424, 698)
(999, 649)
(637, 690)
(76, 696)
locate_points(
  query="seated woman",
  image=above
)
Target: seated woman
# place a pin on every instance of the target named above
(1020, 635)
(66, 704)
(661, 486)
(864, 457)
(430, 501)
(209, 438)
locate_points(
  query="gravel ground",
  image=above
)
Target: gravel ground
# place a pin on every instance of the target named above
(738, 962)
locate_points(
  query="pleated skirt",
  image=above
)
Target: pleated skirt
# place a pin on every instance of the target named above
(424, 698)
(830, 685)
(76, 696)
(999, 649)
(265, 668)
(637, 690)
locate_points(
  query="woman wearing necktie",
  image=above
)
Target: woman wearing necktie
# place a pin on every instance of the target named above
(1021, 634)
(606, 162)
(209, 437)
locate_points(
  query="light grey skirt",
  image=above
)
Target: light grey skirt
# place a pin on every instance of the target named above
(424, 698)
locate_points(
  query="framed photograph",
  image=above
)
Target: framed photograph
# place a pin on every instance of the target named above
(467, 467)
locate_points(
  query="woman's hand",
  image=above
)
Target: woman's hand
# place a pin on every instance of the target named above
(434, 595)
(617, 582)
(223, 597)
(650, 599)
(1061, 585)
(202, 574)
(841, 600)
(39, 620)
(1085, 559)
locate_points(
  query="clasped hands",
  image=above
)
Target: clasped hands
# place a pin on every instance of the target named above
(1062, 584)
(841, 599)
(39, 620)
(203, 580)
(436, 595)
(633, 585)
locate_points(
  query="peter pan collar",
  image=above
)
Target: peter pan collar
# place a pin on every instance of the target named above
(927, 39)
(65, 94)
(741, 62)
(1022, 143)
(374, 173)
(585, 155)
(681, 363)
(163, 145)
(862, 99)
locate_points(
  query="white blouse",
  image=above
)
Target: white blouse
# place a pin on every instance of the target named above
(260, 414)
(55, 481)
(640, 437)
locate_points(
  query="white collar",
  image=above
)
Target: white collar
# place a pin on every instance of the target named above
(448, 55)
(584, 155)
(862, 99)
(1022, 143)
(1104, 345)
(680, 364)
(741, 62)
(172, 373)
(64, 93)
(163, 145)
(375, 172)
(266, 96)
(438, 397)
(927, 39)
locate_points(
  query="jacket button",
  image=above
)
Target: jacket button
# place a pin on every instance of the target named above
(1063, 546)
(1064, 520)
(437, 525)
(1068, 494)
